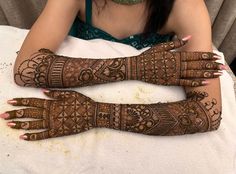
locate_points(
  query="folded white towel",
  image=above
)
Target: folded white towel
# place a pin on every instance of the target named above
(105, 150)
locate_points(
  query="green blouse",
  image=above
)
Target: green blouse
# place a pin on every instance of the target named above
(85, 30)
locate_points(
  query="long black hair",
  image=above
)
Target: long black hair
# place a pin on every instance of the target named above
(158, 13)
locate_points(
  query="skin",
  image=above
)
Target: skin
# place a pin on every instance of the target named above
(180, 22)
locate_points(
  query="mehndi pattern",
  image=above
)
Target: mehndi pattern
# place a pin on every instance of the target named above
(70, 112)
(157, 65)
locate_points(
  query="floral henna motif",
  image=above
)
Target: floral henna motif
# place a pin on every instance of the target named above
(175, 118)
(71, 113)
(158, 65)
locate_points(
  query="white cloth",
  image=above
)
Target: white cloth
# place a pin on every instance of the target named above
(109, 151)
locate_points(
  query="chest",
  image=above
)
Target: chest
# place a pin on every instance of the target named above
(118, 20)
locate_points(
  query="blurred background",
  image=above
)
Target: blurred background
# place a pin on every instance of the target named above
(23, 13)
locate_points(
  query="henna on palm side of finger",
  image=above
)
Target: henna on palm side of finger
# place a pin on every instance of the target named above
(157, 65)
(71, 112)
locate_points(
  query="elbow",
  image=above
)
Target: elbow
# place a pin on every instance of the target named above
(31, 71)
(16, 72)
(24, 71)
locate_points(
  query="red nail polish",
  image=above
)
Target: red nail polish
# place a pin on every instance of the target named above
(217, 57)
(186, 38)
(205, 82)
(4, 115)
(224, 67)
(23, 137)
(218, 73)
(45, 90)
(11, 101)
(11, 124)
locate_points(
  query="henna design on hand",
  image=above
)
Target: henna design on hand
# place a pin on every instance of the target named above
(158, 65)
(71, 113)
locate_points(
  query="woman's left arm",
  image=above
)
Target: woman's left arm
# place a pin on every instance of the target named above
(190, 17)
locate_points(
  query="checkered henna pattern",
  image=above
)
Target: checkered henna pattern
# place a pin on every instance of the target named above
(157, 65)
(70, 112)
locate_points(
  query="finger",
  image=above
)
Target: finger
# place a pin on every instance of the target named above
(199, 74)
(34, 102)
(35, 136)
(193, 56)
(167, 46)
(38, 124)
(45, 50)
(201, 65)
(27, 113)
(59, 94)
(192, 83)
(65, 94)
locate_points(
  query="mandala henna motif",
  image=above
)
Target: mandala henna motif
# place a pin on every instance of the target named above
(158, 65)
(71, 113)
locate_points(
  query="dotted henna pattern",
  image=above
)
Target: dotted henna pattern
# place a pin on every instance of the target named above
(71, 113)
(157, 65)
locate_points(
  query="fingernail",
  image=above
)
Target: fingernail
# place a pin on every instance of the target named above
(186, 38)
(11, 124)
(11, 101)
(4, 115)
(205, 82)
(224, 67)
(217, 57)
(218, 73)
(45, 90)
(23, 137)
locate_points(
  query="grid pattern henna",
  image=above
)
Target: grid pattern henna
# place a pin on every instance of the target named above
(157, 65)
(71, 112)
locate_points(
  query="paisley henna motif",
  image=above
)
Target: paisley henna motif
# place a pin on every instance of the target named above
(70, 112)
(158, 65)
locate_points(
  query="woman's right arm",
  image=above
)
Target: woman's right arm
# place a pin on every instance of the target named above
(50, 29)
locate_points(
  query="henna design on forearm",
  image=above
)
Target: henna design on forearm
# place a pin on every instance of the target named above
(175, 118)
(158, 65)
(50, 70)
(71, 112)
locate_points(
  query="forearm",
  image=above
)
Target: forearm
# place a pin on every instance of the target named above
(156, 65)
(174, 118)
(213, 103)
(45, 69)
(71, 112)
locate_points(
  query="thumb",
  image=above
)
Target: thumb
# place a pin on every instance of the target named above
(59, 94)
(196, 95)
(65, 94)
(167, 46)
(46, 50)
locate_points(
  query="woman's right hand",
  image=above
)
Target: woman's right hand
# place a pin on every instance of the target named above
(159, 65)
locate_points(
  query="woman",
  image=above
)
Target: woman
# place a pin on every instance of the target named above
(201, 111)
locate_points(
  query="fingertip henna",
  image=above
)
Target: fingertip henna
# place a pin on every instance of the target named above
(157, 65)
(78, 113)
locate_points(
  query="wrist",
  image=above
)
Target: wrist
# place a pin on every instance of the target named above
(132, 69)
(108, 115)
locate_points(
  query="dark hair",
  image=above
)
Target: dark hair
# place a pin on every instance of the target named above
(158, 13)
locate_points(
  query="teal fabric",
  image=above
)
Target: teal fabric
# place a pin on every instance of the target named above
(85, 30)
